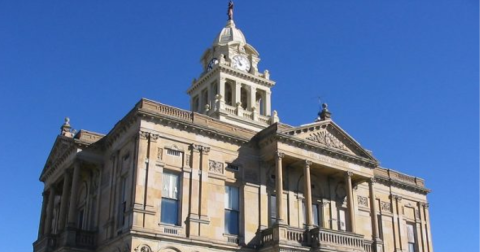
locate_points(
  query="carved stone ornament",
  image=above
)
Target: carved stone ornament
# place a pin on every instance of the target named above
(215, 167)
(385, 206)
(326, 138)
(362, 201)
(143, 248)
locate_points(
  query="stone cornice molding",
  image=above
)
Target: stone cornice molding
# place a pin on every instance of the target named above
(334, 153)
(233, 72)
(397, 183)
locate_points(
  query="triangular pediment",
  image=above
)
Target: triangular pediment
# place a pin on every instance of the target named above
(329, 135)
(59, 148)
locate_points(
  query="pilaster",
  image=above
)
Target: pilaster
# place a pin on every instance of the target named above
(279, 186)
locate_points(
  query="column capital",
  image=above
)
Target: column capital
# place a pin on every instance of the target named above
(349, 174)
(279, 155)
(143, 135)
(205, 150)
(307, 163)
(154, 137)
(396, 197)
(195, 147)
(425, 204)
(372, 180)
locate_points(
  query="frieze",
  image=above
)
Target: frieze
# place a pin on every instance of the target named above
(215, 167)
(326, 138)
(362, 201)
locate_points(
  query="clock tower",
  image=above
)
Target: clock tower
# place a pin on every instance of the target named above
(231, 88)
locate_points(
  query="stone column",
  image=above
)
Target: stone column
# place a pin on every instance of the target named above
(48, 221)
(238, 88)
(373, 210)
(43, 215)
(279, 185)
(64, 203)
(268, 109)
(308, 194)
(253, 98)
(72, 211)
(351, 210)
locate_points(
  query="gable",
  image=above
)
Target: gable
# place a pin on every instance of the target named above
(330, 135)
(60, 147)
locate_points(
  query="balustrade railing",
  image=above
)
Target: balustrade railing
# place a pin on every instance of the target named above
(336, 239)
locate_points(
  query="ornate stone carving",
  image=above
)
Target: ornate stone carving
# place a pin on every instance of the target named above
(385, 206)
(143, 248)
(215, 167)
(308, 163)
(279, 154)
(144, 135)
(205, 150)
(326, 138)
(159, 153)
(362, 201)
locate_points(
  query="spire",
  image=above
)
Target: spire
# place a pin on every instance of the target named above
(230, 10)
(324, 114)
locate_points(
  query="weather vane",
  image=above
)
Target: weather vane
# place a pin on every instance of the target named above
(230, 10)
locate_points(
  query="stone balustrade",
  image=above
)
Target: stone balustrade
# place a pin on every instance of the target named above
(334, 239)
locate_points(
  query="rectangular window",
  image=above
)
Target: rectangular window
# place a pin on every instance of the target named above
(123, 202)
(231, 210)
(273, 209)
(169, 214)
(314, 214)
(174, 152)
(411, 237)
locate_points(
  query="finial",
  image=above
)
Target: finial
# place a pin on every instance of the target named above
(324, 114)
(66, 129)
(230, 10)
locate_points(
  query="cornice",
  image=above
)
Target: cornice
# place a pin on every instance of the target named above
(194, 128)
(233, 72)
(400, 184)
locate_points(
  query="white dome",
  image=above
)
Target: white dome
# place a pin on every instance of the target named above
(229, 34)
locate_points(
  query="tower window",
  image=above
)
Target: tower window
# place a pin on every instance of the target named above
(244, 97)
(228, 94)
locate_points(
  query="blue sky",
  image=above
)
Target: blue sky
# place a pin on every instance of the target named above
(401, 77)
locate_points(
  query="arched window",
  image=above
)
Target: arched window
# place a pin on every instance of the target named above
(228, 94)
(244, 97)
(195, 104)
(259, 103)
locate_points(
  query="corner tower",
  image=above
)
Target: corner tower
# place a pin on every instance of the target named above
(231, 88)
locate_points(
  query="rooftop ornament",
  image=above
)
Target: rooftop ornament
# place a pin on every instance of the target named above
(324, 114)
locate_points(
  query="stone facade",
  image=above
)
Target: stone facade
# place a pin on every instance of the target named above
(225, 176)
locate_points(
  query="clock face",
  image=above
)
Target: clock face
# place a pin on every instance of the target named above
(241, 62)
(212, 63)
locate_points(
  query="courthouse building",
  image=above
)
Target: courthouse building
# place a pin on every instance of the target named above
(226, 175)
